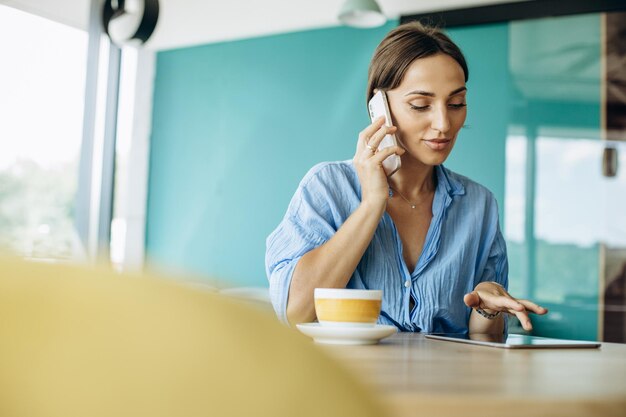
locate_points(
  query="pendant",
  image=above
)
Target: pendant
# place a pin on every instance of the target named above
(412, 206)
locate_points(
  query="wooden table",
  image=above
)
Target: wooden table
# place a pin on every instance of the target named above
(416, 376)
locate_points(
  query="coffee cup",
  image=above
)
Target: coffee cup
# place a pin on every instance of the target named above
(347, 307)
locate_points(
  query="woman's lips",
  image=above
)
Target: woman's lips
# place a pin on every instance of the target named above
(437, 144)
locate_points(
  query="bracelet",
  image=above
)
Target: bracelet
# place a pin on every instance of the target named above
(486, 315)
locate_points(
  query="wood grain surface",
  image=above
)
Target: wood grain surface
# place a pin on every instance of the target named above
(416, 376)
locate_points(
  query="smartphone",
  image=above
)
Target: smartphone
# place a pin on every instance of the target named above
(378, 107)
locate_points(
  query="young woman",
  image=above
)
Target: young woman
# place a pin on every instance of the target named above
(428, 237)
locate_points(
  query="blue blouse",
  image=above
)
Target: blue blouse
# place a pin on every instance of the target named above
(463, 246)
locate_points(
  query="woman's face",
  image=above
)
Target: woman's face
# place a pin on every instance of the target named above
(429, 108)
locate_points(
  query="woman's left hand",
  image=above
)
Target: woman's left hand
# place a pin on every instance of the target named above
(492, 297)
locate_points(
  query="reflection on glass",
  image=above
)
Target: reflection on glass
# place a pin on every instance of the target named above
(572, 189)
(514, 206)
(486, 337)
(575, 213)
(578, 220)
(42, 85)
(564, 220)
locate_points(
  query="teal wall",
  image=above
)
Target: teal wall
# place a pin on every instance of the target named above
(235, 127)
(480, 150)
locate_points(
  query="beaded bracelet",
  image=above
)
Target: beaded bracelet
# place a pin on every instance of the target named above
(486, 315)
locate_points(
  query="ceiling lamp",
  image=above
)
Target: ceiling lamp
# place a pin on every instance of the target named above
(362, 14)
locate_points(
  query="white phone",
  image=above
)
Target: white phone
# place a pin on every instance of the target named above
(378, 107)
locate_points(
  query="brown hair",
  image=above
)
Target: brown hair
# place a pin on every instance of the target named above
(403, 45)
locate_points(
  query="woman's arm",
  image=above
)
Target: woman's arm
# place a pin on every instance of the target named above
(332, 264)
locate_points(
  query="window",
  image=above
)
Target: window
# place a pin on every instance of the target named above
(42, 80)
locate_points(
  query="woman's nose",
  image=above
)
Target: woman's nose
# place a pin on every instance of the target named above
(441, 120)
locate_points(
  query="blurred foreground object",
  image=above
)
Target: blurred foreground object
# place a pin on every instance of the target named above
(130, 22)
(88, 342)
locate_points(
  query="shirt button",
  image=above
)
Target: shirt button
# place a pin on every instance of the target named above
(407, 283)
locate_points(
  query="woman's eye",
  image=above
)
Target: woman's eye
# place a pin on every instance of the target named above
(427, 107)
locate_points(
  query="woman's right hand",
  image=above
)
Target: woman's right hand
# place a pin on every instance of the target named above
(368, 162)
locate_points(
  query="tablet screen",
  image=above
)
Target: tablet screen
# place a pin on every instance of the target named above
(512, 341)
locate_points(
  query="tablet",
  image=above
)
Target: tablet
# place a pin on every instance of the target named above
(512, 341)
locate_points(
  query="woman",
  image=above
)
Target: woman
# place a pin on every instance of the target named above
(428, 237)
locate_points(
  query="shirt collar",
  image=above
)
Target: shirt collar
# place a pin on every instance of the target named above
(451, 185)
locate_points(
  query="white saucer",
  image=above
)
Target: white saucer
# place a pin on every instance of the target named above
(346, 335)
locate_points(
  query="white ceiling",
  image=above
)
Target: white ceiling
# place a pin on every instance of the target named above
(191, 22)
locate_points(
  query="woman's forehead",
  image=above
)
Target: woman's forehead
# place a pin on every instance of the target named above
(437, 71)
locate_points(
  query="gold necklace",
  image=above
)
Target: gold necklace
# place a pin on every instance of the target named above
(392, 190)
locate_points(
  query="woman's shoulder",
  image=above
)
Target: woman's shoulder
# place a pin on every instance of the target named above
(473, 201)
(462, 185)
(329, 189)
(336, 173)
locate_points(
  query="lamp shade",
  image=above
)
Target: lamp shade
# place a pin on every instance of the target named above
(362, 14)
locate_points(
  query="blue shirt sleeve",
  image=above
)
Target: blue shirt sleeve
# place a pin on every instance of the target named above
(307, 225)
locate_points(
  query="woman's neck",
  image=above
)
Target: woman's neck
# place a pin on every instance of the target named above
(414, 180)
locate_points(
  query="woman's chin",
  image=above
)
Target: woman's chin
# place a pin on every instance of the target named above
(427, 158)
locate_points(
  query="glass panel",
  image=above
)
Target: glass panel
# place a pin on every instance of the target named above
(42, 100)
(564, 217)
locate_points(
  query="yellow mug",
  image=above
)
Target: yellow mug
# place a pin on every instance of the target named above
(347, 307)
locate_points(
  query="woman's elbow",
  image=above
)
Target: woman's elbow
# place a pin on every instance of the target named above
(299, 311)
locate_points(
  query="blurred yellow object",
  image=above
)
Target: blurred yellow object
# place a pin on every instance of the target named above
(79, 341)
